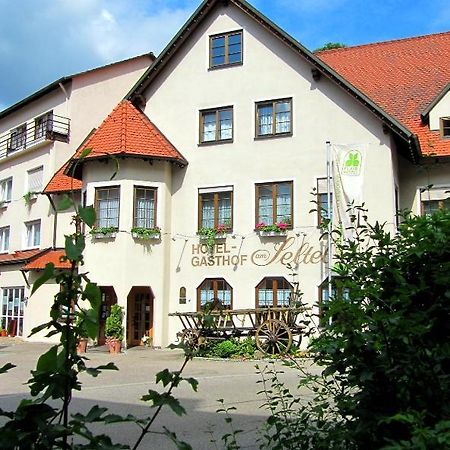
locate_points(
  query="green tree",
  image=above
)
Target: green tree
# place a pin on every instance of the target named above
(330, 46)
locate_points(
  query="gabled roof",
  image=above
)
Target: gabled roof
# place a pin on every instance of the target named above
(21, 256)
(207, 6)
(125, 132)
(403, 77)
(61, 81)
(52, 256)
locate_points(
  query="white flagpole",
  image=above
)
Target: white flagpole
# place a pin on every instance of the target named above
(330, 216)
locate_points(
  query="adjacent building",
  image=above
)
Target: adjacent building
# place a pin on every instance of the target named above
(225, 135)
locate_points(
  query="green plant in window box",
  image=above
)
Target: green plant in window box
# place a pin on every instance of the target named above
(29, 197)
(210, 234)
(103, 231)
(146, 233)
(279, 228)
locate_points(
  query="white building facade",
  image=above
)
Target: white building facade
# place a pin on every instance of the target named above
(227, 131)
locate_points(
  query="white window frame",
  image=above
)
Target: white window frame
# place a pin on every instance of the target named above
(4, 239)
(30, 234)
(6, 190)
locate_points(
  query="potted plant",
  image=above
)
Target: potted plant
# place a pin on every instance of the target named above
(82, 336)
(103, 232)
(3, 332)
(146, 233)
(114, 329)
(277, 229)
(210, 234)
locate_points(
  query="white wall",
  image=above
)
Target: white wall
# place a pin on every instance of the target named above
(442, 109)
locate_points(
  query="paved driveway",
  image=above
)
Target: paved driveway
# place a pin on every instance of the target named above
(120, 392)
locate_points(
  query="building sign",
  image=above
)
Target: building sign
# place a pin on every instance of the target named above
(285, 252)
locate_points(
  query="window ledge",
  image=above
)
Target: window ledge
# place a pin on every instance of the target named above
(225, 66)
(272, 233)
(100, 236)
(221, 142)
(273, 136)
(147, 237)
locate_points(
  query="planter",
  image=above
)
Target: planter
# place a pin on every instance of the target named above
(3, 333)
(272, 233)
(114, 345)
(217, 237)
(146, 237)
(104, 236)
(82, 345)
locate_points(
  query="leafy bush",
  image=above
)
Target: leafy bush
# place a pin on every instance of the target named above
(229, 348)
(385, 349)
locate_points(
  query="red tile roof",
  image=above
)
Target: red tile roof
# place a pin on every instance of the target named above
(403, 77)
(21, 256)
(128, 131)
(52, 256)
(62, 183)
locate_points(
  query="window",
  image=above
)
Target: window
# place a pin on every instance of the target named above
(322, 200)
(4, 239)
(18, 138)
(43, 124)
(11, 311)
(182, 297)
(216, 125)
(216, 207)
(35, 178)
(434, 199)
(225, 49)
(33, 234)
(215, 292)
(144, 207)
(274, 118)
(273, 292)
(274, 203)
(5, 190)
(107, 202)
(445, 127)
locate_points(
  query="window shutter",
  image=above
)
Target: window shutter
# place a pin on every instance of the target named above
(35, 178)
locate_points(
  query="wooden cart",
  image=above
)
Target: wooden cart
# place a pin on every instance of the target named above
(274, 329)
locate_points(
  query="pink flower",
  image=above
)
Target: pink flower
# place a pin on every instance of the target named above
(260, 225)
(221, 228)
(282, 225)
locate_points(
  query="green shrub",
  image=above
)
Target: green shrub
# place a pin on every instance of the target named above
(113, 326)
(225, 349)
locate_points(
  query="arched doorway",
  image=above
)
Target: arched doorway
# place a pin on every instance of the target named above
(109, 298)
(139, 314)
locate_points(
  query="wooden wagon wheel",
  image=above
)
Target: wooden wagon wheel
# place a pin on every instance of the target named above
(273, 337)
(191, 338)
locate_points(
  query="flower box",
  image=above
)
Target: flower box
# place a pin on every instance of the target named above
(218, 236)
(146, 237)
(280, 233)
(111, 235)
(104, 233)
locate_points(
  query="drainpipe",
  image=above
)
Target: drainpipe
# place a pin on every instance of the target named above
(55, 219)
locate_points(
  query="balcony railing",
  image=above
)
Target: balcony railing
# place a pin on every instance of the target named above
(45, 128)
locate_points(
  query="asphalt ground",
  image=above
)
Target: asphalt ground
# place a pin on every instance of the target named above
(234, 381)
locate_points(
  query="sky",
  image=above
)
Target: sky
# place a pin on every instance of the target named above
(43, 40)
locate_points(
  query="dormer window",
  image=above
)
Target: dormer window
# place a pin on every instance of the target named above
(225, 49)
(445, 127)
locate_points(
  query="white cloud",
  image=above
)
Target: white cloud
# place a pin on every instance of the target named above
(60, 37)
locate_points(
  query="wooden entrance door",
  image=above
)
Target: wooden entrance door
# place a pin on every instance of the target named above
(140, 315)
(109, 298)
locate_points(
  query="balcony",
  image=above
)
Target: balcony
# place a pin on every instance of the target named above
(46, 128)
